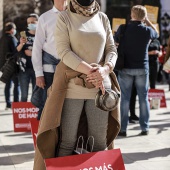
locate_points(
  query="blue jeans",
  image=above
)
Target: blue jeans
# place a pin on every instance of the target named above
(16, 89)
(24, 79)
(48, 81)
(140, 77)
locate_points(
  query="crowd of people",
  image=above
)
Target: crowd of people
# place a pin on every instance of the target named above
(25, 74)
(71, 52)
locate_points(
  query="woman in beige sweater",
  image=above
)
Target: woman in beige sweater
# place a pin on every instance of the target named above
(84, 37)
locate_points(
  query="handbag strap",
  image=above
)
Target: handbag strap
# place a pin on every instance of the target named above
(122, 32)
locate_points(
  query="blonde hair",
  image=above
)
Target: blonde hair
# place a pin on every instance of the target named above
(138, 12)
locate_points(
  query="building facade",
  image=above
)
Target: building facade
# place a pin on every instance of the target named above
(17, 11)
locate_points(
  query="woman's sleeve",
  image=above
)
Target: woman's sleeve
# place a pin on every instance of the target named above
(110, 48)
(63, 46)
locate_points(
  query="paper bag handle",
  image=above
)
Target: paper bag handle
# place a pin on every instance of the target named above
(80, 137)
(90, 137)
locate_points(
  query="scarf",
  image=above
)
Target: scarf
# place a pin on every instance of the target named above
(87, 11)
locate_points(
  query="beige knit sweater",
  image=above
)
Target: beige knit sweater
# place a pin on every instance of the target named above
(80, 38)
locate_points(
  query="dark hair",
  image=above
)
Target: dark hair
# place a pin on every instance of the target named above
(9, 26)
(33, 15)
(52, 1)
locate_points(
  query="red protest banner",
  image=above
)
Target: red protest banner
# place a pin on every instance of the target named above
(23, 113)
(34, 129)
(157, 94)
(108, 159)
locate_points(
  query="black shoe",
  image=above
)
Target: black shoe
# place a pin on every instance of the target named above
(133, 119)
(122, 134)
(144, 133)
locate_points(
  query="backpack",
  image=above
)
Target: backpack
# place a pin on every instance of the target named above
(120, 60)
(9, 68)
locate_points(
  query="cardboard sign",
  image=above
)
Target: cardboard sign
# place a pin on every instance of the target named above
(103, 160)
(34, 129)
(152, 13)
(116, 22)
(157, 94)
(23, 113)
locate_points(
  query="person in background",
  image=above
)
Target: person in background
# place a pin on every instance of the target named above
(8, 43)
(167, 55)
(28, 74)
(136, 70)
(167, 50)
(154, 52)
(44, 56)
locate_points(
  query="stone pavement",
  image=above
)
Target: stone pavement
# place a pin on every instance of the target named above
(150, 152)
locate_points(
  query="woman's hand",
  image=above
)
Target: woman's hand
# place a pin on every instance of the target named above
(97, 76)
(28, 53)
(153, 52)
(40, 82)
(22, 40)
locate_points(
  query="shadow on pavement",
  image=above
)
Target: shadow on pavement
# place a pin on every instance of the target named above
(165, 113)
(19, 134)
(6, 114)
(16, 159)
(7, 131)
(19, 148)
(141, 156)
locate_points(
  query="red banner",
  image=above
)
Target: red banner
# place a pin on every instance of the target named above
(34, 130)
(157, 94)
(103, 160)
(23, 113)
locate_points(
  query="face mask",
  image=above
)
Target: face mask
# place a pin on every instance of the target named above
(32, 27)
(15, 31)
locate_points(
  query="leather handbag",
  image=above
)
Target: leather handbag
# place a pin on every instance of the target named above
(108, 101)
(9, 69)
(37, 96)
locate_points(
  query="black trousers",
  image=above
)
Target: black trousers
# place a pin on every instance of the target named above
(48, 81)
(153, 72)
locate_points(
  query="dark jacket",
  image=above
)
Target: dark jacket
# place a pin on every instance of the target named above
(8, 44)
(136, 41)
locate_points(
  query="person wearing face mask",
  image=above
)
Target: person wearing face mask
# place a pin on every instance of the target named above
(8, 43)
(85, 45)
(27, 74)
